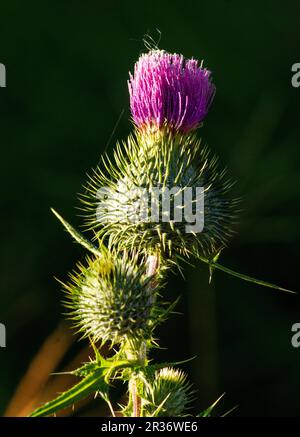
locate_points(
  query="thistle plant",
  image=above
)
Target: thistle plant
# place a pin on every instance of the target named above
(162, 198)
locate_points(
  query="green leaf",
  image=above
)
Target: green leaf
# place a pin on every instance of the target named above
(158, 366)
(85, 370)
(207, 412)
(214, 260)
(96, 379)
(214, 265)
(90, 384)
(160, 407)
(78, 237)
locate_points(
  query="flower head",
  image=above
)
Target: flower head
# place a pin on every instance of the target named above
(110, 299)
(130, 212)
(167, 89)
(169, 394)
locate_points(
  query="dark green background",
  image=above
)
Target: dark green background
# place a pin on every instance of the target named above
(67, 66)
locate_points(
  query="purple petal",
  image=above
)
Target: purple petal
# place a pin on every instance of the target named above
(168, 89)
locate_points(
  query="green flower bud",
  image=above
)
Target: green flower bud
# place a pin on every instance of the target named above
(110, 300)
(168, 395)
(148, 200)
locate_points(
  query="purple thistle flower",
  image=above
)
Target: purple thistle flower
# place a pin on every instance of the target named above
(167, 89)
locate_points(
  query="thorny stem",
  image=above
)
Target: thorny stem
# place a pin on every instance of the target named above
(152, 268)
(136, 400)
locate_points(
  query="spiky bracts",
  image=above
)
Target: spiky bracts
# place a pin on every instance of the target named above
(169, 89)
(167, 393)
(110, 300)
(141, 202)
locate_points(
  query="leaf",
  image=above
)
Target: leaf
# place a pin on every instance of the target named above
(207, 412)
(214, 265)
(159, 408)
(214, 260)
(85, 370)
(78, 237)
(174, 363)
(90, 384)
(96, 379)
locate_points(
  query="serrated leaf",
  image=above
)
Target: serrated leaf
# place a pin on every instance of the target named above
(86, 369)
(90, 384)
(96, 379)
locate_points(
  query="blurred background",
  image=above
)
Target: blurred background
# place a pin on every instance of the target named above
(66, 101)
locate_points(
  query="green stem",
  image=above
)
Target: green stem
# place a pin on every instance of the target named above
(139, 351)
(135, 398)
(135, 352)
